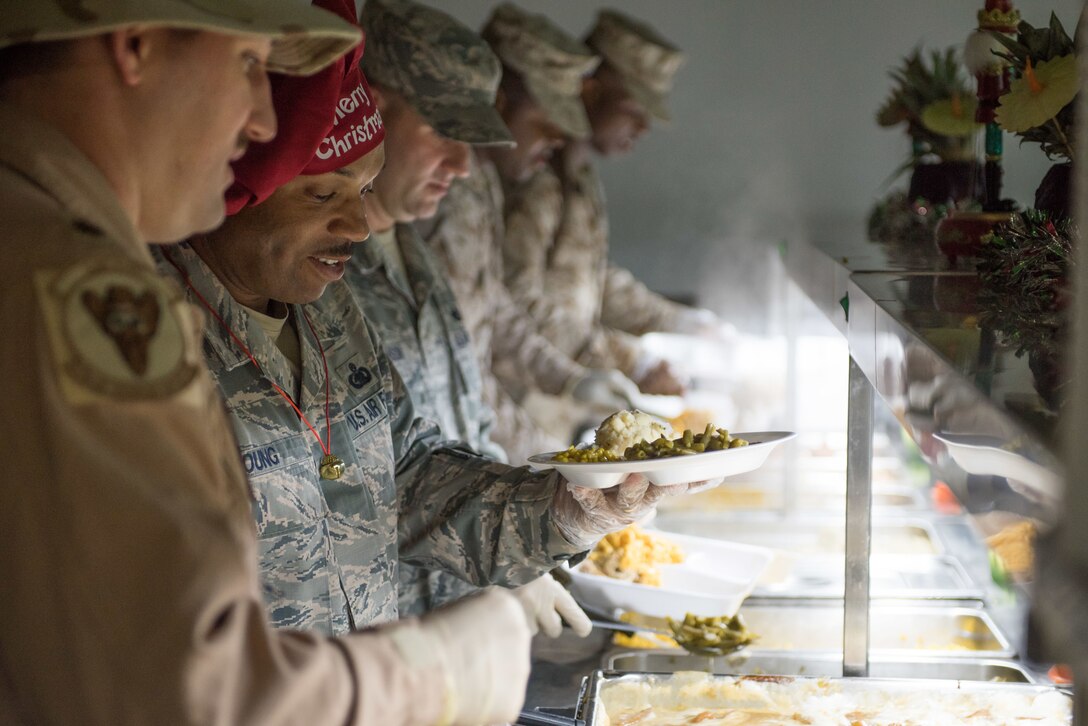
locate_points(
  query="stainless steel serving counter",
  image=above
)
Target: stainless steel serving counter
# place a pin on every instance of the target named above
(983, 414)
(916, 339)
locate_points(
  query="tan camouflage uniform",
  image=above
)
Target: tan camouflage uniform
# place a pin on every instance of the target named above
(129, 561)
(556, 247)
(466, 235)
(468, 230)
(329, 550)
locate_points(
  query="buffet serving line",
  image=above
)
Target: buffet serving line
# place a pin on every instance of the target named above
(913, 604)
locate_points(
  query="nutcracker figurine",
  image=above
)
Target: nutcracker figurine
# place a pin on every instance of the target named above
(992, 76)
(960, 234)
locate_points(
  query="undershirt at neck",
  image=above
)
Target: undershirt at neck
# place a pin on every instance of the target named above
(285, 337)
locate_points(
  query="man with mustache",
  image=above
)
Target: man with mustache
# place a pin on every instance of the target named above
(538, 99)
(556, 243)
(129, 562)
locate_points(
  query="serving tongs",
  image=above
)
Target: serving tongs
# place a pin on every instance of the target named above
(544, 718)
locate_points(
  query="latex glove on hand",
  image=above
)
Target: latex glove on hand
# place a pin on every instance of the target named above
(481, 644)
(702, 323)
(660, 379)
(584, 515)
(547, 604)
(605, 388)
(695, 321)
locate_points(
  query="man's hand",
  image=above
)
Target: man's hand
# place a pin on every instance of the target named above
(547, 604)
(585, 515)
(696, 321)
(605, 388)
(661, 380)
(481, 645)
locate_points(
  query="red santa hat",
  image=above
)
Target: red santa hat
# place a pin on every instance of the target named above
(326, 121)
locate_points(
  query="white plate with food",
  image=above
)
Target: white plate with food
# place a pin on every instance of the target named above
(673, 469)
(662, 574)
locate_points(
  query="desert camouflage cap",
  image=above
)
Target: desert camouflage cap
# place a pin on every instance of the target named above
(551, 62)
(305, 38)
(444, 70)
(646, 61)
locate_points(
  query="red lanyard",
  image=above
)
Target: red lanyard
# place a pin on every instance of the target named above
(332, 467)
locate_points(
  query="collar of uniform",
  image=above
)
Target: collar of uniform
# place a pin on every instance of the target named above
(421, 273)
(47, 157)
(418, 260)
(208, 285)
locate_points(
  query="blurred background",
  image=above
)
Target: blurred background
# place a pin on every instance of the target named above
(773, 134)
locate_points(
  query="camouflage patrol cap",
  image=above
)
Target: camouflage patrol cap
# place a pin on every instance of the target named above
(305, 39)
(551, 63)
(442, 68)
(645, 61)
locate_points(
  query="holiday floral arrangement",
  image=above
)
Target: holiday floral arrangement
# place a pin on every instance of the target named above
(1025, 268)
(1039, 105)
(932, 99)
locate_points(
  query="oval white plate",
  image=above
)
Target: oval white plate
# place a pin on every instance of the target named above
(673, 469)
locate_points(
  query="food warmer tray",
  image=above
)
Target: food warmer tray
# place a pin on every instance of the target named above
(591, 707)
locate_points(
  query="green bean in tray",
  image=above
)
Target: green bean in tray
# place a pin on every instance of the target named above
(711, 439)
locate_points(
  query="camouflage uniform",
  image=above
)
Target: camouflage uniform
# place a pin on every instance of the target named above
(466, 235)
(329, 550)
(449, 76)
(423, 334)
(468, 230)
(555, 252)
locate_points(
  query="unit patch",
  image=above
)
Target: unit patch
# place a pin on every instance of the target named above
(116, 331)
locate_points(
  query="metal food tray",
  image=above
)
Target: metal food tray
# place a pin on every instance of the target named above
(804, 533)
(821, 664)
(915, 577)
(591, 709)
(895, 629)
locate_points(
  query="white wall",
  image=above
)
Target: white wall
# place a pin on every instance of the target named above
(773, 134)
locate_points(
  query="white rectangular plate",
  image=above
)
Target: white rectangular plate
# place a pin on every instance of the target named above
(713, 580)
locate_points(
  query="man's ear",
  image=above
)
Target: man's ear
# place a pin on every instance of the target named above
(129, 50)
(591, 90)
(381, 99)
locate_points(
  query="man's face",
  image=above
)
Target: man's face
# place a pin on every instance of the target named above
(206, 97)
(536, 136)
(420, 166)
(617, 120)
(292, 245)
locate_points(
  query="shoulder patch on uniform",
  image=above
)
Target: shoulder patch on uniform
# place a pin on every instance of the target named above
(116, 331)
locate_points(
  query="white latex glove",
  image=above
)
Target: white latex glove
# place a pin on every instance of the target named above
(695, 321)
(481, 644)
(585, 515)
(606, 388)
(545, 601)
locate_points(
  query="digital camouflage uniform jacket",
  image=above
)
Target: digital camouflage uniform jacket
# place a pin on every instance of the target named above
(329, 551)
(555, 257)
(422, 332)
(466, 234)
